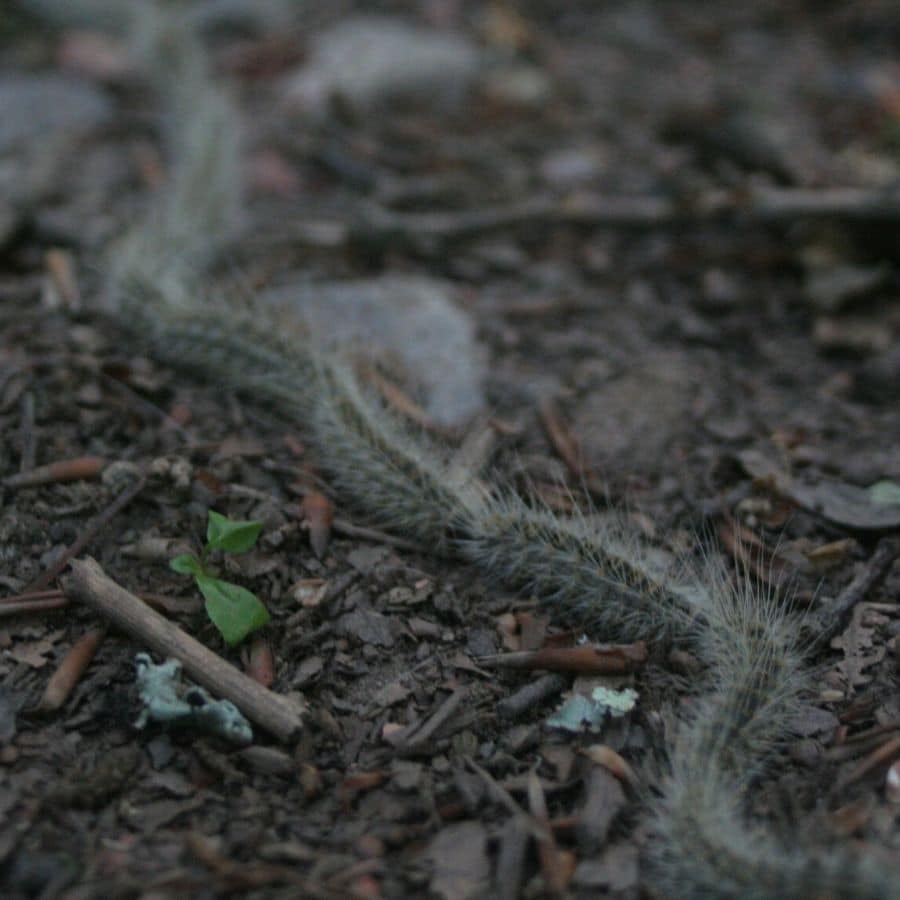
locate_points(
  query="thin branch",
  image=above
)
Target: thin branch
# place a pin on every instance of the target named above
(754, 206)
(277, 714)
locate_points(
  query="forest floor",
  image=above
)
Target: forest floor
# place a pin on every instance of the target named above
(620, 256)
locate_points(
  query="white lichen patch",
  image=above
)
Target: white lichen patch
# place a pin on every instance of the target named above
(170, 703)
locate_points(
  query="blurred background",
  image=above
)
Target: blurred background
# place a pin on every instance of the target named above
(668, 217)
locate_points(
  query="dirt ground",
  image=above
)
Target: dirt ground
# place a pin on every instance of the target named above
(673, 312)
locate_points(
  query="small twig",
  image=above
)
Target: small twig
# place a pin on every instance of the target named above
(70, 670)
(537, 830)
(831, 620)
(502, 795)
(348, 529)
(591, 659)
(878, 757)
(93, 529)
(380, 225)
(65, 470)
(54, 594)
(15, 608)
(443, 713)
(277, 714)
(517, 704)
(755, 207)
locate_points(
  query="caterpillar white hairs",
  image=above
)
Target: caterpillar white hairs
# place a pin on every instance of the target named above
(597, 575)
(602, 577)
(703, 846)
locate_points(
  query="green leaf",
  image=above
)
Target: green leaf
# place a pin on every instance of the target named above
(234, 610)
(186, 564)
(232, 537)
(884, 493)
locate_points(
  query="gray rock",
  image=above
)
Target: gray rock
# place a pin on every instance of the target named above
(38, 106)
(372, 61)
(405, 320)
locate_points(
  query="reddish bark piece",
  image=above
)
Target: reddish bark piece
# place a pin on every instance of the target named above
(319, 513)
(595, 659)
(261, 664)
(29, 596)
(83, 467)
(70, 670)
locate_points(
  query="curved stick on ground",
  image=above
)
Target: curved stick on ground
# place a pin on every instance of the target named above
(279, 715)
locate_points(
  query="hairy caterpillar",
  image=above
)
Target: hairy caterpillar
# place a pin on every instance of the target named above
(602, 577)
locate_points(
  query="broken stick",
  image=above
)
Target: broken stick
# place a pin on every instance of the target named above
(275, 713)
(833, 618)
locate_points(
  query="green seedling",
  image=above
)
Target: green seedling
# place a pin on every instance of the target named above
(234, 610)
